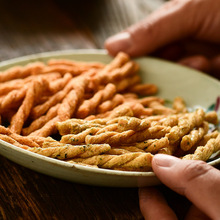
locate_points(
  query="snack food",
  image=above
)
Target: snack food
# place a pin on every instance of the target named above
(101, 115)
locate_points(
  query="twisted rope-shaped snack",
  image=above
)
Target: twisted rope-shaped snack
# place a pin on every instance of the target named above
(204, 152)
(13, 97)
(41, 121)
(103, 75)
(188, 141)
(26, 141)
(127, 160)
(127, 137)
(179, 105)
(65, 151)
(153, 145)
(11, 140)
(185, 125)
(33, 93)
(19, 72)
(78, 138)
(89, 106)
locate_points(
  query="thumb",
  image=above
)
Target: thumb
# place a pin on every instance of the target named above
(175, 20)
(196, 180)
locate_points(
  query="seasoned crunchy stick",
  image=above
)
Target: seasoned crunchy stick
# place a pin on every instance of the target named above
(19, 72)
(127, 137)
(20, 139)
(204, 152)
(179, 105)
(88, 107)
(67, 151)
(185, 125)
(78, 138)
(127, 160)
(41, 121)
(73, 99)
(13, 141)
(188, 141)
(34, 92)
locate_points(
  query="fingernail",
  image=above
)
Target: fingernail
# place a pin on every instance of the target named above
(164, 160)
(119, 42)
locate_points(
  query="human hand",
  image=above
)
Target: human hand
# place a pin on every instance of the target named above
(196, 180)
(185, 31)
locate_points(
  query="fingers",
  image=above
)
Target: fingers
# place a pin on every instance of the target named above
(198, 181)
(198, 62)
(196, 214)
(153, 205)
(175, 20)
(162, 27)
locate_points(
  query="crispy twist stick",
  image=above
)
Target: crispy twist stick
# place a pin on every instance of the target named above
(188, 141)
(70, 103)
(153, 145)
(86, 65)
(70, 151)
(15, 96)
(10, 140)
(75, 126)
(127, 83)
(170, 120)
(211, 117)
(39, 122)
(110, 104)
(20, 139)
(126, 70)
(185, 125)
(127, 137)
(128, 160)
(179, 105)
(132, 123)
(19, 72)
(147, 100)
(33, 92)
(103, 75)
(207, 137)
(159, 109)
(204, 152)
(144, 89)
(39, 110)
(89, 106)
(78, 138)
(59, 84)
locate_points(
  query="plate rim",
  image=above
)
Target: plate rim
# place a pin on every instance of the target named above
(47, 55)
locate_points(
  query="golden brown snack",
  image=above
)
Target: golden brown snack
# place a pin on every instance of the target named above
(78, 138)
(59, 84)
(10, 140)
(179, 105)
(204, 152)
(212, 117)
(188, 141)
(144, 89)
(110, 104)
(66, 151)
(88, 107)
(185, 125)
(19, 72)
(35, 90)
(41, 121)
(128, 160)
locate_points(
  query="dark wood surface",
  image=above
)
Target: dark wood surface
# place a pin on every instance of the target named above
(28, 27)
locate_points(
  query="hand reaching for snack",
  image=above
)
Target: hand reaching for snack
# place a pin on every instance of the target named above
(181, 30)
(196, 180)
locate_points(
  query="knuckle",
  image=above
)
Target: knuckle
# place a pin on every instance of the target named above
(195, 170)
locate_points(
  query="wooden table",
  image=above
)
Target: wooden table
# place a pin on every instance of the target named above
(28, 27)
